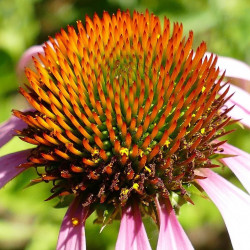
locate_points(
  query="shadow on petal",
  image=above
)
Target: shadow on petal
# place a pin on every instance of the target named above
(9, 164)
(8, 129)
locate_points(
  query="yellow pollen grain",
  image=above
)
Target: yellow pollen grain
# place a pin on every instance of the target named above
(149, 149)
(167, 143)
(193, 115)
(125, 191)
(124, 151)
(202, 130)
(158, 36)
(136, 186)
(137, 177)
(203, 89)
(148, 169)
(74, 221)
(141, 152)
(95, 152)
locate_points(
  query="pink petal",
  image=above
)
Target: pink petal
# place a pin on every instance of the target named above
(234, 206)
(72, 237)
(8, 129)
(132, 234)
(239, 113)
(235, 69)
(26, 61)
(26, 58)
(171, 235)
(241, 100)
(9, 164)
(240, 164)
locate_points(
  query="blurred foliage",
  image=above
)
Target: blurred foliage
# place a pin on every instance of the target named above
(26, 222)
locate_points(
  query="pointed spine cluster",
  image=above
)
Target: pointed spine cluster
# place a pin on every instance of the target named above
(123, 103)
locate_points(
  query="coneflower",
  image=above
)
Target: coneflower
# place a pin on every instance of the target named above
(125, 114)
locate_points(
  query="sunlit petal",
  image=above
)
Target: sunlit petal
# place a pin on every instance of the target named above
(132, 234)
(235, 70)
(72, 232)
(241, 100)
(171, 235)
(234, 206)
(240, 164)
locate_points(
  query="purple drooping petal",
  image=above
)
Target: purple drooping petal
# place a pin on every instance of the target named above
(234, 206)
(9, 164)
(72, 232)
(237, 71)
(132, 234)
(8, 129)
(241, 100)
(171, 235)
(240, 164)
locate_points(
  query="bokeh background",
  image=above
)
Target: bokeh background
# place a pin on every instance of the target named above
(26, 221)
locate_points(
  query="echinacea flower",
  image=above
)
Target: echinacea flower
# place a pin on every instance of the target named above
(124, 115)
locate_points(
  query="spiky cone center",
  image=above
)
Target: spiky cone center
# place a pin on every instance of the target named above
(124, 110)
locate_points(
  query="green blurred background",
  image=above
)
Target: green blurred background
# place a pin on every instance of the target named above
(26, 221)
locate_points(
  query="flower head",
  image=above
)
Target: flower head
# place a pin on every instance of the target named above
(125, 114)
(122, 110)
